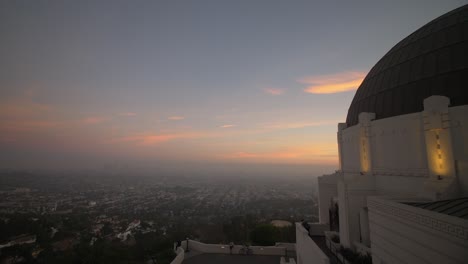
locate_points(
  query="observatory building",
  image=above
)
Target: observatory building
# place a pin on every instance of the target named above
(400, 194)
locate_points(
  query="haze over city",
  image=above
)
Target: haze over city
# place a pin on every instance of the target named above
(104, 84)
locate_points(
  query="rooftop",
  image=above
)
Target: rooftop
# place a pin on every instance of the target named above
(454, 207)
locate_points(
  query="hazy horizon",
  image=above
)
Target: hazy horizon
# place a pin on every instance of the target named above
(193, 169)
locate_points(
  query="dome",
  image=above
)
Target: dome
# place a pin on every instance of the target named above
(431, 61)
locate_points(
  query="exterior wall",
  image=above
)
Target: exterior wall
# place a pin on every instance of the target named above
(408, 154)
(339, 138)
(459, 128)
(398, 146)
(307, 251)
(352, 199)
(421, 156)
(405, 234)
(327, 189)
(350, 149)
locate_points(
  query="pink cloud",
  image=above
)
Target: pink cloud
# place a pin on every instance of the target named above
(333, 83)
(227, 126)
(273, 91)
(150, 139)
(128, 114)
(93, 120)
(30, 92)
(20, 114)
(27, 125)
(23, 109)
(176, 118)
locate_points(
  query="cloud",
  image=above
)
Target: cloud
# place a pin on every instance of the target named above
(227, 126)
(93, 120)
(295, 125)
(31, 92)
(151, 139)
(333, 83)
(27, 125)
(322, 153)
(273, 91)
(175, 118)
(19, 109)
(269, 156)
(20, 114)
(128, 114)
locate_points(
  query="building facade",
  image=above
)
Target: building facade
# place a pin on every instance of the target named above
(400, 192)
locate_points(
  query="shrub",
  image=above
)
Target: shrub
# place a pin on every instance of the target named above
(355, 257)
(335, 239)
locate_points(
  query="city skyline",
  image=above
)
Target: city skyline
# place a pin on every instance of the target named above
(86, 84)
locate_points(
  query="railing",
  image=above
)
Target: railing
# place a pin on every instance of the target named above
(180, 256)
(306, 248)
(233, 249)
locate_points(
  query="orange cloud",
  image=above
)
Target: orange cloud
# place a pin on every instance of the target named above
(273, 155)
(333, 83)
(175, 118)
(273, 91)
(148, 139)
(227, 126)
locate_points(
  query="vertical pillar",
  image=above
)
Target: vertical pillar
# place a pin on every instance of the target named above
(438, 137)
(343, 214)
(364, 226)
(364, 141)
(341, 127)
(442, 182)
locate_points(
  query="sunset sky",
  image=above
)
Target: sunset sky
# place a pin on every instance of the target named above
(87, 83)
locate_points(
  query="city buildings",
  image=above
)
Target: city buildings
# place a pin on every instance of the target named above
(400, 194)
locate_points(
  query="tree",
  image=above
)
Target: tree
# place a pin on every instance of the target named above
(265, 235)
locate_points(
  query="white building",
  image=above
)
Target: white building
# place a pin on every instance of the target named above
(401, 191)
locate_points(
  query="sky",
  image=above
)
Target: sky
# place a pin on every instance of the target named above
(139, 83)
